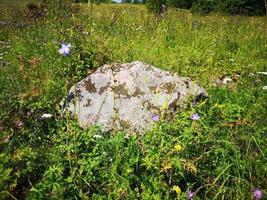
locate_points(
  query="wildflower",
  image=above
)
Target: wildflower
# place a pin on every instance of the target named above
(235, 76)
(177, 189)
(97, 136)
(190, 195)
(257, 193)
(2, 128)
(226, 80)
(46, 116)
(177, 147)
(6, 139)
(195, 117)
(166, 167)
(29, 113)
(65, 49)
(19, 124)
(155, 118)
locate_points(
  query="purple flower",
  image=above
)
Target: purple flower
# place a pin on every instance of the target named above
(195, 117)
(155, 118)
(65, 49)
(29, 113)
(190, 195)
(257, 193)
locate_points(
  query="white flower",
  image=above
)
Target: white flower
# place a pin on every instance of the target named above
(46, 116)
(97, 136)
(226, 80)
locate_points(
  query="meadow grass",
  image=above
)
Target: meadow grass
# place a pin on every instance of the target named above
(220, 156)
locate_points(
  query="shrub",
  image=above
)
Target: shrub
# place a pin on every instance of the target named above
(233, 7)
(202, 7)
(181, 3)
(158, 7)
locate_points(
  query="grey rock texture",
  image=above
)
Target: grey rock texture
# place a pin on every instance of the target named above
(126, 96)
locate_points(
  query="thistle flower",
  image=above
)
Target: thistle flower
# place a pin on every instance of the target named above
(257, 193)
(195, 117)
(65, 49)
(155, 118)
(190, 195)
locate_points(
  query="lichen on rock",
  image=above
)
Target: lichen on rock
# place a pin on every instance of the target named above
(126, 96)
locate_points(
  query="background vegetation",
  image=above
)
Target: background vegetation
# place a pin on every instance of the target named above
(233, 7)
(220, 156)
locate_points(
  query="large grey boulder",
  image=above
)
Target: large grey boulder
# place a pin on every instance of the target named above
(127, 96)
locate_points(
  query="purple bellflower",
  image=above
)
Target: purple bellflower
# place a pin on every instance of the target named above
(155, 118)
(195, 117)
(65, 49)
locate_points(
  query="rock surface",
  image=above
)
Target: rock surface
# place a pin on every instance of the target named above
(127, 96)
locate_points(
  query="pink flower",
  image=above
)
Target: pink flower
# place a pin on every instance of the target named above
(190, 195)
(19, 124)
(6, 139)
(257, 193)
(2, 128)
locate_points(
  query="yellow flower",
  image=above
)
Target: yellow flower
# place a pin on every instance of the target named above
(177, 147)
(177, 189)
(166, 166)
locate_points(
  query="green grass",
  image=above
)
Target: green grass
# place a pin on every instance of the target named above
(223, 155)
